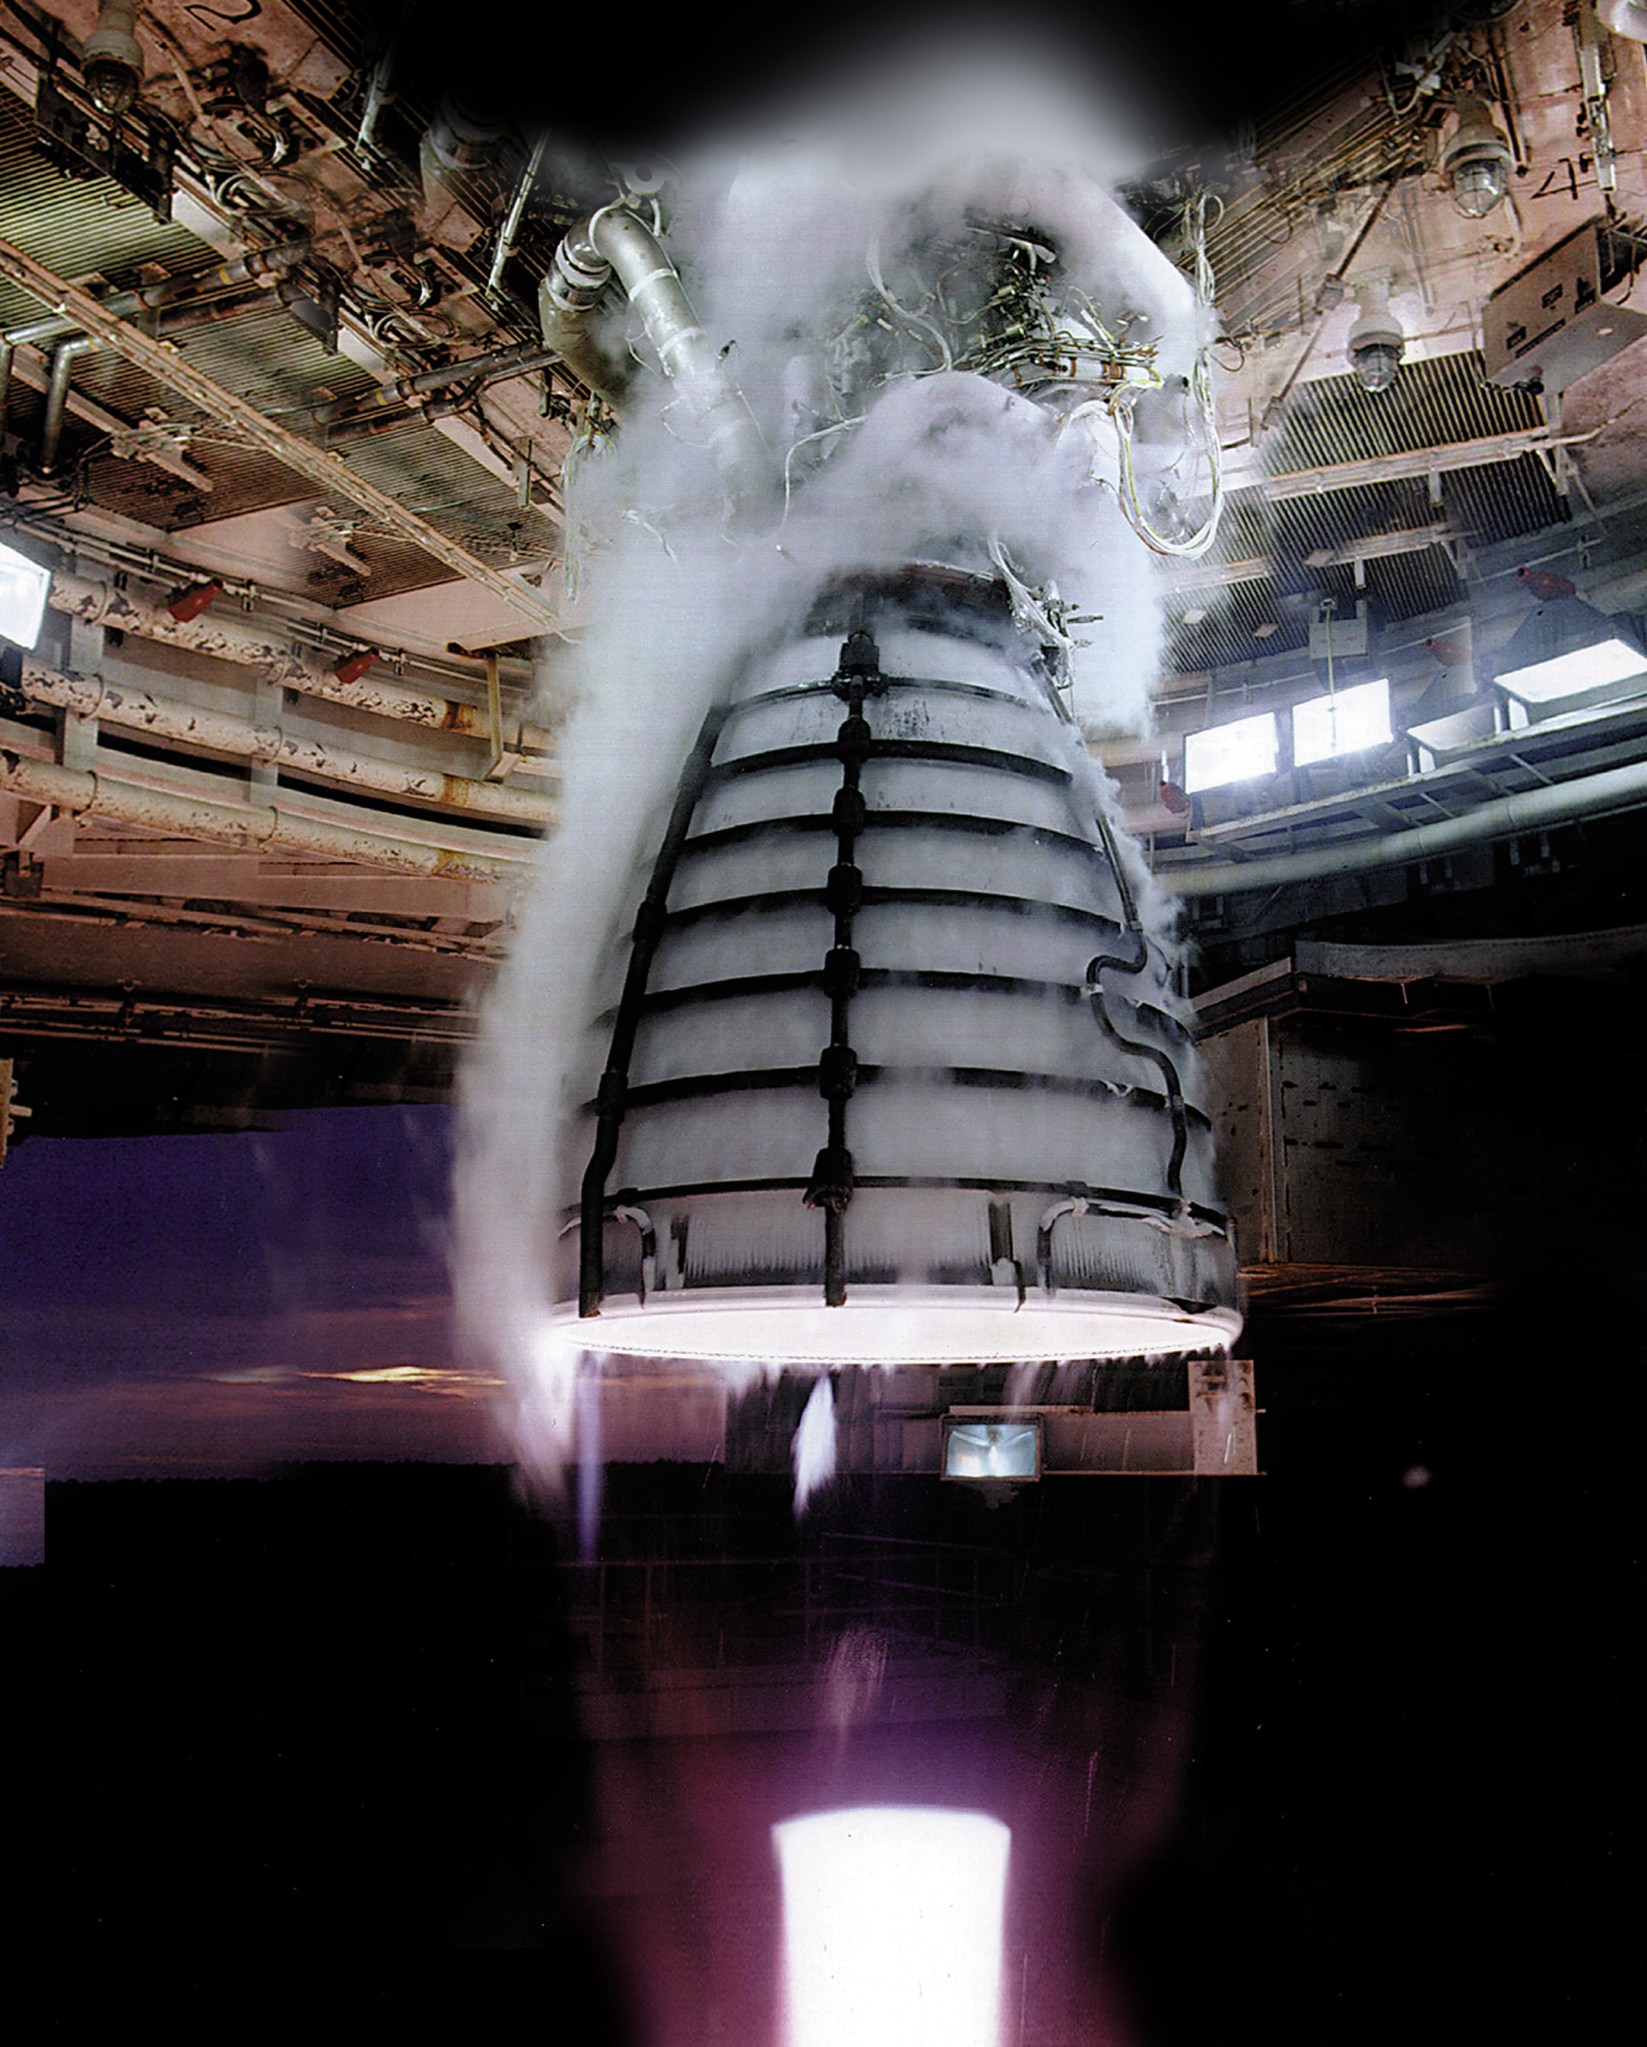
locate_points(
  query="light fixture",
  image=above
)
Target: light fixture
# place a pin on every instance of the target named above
(1377, 339)
(991, 1449)
(1439, 741)
(893, 1927)
(1566, 655)
(1477, 159)
(23, 588)
(111, 61)
(1344, 721)
(1238, 752)
(1580, 673)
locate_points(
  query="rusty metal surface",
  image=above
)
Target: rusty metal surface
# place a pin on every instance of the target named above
(1360, 1144)
(90, 229)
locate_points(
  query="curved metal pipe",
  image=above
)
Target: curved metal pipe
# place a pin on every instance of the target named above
(137, 710)
(260, 266)
(578, 348)
(68, 353)
(1155, 1054)
(615, 242)
(266, 826)
(1624, 18)
(688, 355)
(612, 1096)
(100, 604)
(1077, 1204)
(1506, 817)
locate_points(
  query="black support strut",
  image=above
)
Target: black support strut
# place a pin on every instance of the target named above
(612, 1097)
(830, 1188)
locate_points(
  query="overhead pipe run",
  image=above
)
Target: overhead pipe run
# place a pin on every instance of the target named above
(101, 604)
(68, 352)
(181, 294)
(517, 361)
(88, 696)
(144, 442)
(66, 355)
(1506, 817)
(202, 296)
(266, 827)
(517, 210)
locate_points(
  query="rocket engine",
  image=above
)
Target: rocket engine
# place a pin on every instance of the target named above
(885, 1065)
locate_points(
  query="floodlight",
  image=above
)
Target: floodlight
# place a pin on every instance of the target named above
(1576, 673)
(1440, 740)
(23, 587)
(1230, 753)
(1009, 1448)
(1346, 721)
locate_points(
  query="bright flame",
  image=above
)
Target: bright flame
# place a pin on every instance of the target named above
(893, 1922)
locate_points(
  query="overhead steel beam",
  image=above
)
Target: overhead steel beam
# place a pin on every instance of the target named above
(1381, 546)
(1218, 575)
(1434, 461)
(328, 472)
(1254, 568)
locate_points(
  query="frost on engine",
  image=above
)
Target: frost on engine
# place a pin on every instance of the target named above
(861, 1039)
(895, 1073)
